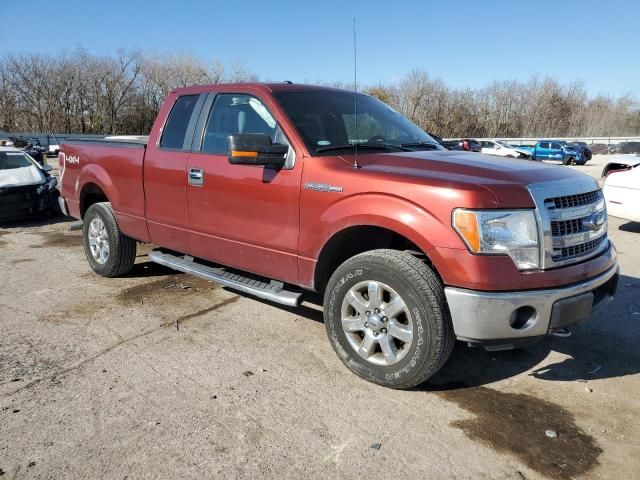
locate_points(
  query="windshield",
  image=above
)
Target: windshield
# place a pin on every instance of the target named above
(11, 160)
(328, 125)
(504, 144)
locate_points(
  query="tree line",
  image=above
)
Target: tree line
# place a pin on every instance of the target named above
(80, 92)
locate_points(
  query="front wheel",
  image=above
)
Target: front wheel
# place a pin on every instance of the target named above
(386, 317)
(109, 251)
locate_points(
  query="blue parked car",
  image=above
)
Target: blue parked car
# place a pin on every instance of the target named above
(560, 151)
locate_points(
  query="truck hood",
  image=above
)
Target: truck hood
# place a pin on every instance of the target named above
(505, 178)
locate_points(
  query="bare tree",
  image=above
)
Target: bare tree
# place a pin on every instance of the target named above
(122, 93)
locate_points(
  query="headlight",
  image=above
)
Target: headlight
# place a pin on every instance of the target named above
(48, 185)
(501, 232)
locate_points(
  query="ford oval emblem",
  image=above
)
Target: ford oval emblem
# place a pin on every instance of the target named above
(594, 222)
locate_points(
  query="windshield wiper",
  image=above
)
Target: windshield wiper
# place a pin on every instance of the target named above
(420, 144)
(364, 146)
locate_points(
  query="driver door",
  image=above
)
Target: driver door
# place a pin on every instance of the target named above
(243, 216)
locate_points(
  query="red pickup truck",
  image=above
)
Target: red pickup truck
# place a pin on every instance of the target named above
(278, 190)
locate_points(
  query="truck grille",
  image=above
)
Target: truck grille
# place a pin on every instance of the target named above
(566, 227)
(573, 220)
(579, 250)
(578, 200)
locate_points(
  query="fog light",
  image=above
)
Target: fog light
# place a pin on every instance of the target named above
(523, 317)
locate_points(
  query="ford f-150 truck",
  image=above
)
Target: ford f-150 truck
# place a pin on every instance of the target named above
(279, 190)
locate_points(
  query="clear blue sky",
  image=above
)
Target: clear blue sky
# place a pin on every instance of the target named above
(466, 43)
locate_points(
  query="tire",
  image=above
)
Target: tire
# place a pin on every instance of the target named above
(424, 312)
(100, 225)
(568, 161)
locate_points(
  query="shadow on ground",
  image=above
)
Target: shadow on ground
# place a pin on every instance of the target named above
(34, 222)
(633, 227)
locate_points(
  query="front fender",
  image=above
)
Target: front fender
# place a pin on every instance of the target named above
(399, 215)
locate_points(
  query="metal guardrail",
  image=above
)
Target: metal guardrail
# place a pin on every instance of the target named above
(533, 140)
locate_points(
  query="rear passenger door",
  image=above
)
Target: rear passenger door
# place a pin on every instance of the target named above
(556, 152)
(165, 175)
(243, 216)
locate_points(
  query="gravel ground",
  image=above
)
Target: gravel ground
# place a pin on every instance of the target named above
(159, 374)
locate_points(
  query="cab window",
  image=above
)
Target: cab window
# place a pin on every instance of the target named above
(238, 113)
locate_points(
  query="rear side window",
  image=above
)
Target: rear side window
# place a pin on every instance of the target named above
(178, 122)
(543, 145)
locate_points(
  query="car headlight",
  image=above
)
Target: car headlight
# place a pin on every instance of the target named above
(501, 232)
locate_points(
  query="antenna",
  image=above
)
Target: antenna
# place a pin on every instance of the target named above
(355, 95)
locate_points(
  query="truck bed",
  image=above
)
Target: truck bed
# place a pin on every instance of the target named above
(116, 165)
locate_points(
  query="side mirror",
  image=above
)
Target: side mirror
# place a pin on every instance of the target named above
(47, 168)
(498, 147)
(256, 149)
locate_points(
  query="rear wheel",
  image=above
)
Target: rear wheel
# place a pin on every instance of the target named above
(387, 319)
(109, 252)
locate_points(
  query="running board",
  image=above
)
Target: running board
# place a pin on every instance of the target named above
(272, 291)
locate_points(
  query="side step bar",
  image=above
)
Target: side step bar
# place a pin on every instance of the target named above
(272, 291)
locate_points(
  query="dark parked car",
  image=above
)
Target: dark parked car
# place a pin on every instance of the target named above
(467, 144)
(26, 188)
(601, 148)
(628, 147)
(32, 147)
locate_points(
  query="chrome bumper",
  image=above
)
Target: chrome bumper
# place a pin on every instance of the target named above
(63, 206)
(512, 316)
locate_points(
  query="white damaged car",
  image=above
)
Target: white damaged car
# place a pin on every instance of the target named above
(503, 149)
(622, 187)
(26, 188)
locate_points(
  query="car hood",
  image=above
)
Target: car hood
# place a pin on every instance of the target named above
(505, 178)
(18, 177)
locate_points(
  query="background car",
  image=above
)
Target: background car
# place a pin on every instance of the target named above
(503, 149)
(32, 147)
(628, 147)
(622, 191)
(583, 148)
(26, 188)
(559, 151)
(601, 148)
(622, 162)
(467, 144)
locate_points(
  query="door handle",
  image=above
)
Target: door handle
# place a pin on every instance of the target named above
(196, 176)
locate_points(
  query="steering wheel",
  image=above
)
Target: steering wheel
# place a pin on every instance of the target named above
(377, 139)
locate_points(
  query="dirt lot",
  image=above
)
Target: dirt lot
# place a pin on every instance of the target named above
(162, 375)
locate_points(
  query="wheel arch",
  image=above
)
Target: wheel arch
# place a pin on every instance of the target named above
(356, 239)
(367, 222)
(95, 185)
(90, 194)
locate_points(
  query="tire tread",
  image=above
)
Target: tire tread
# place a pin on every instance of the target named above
(424, 278)
(124, 253)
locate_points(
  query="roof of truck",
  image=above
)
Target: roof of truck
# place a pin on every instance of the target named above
(269, 86)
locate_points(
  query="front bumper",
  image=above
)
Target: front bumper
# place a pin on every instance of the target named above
(24, 201)
(505, 319)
